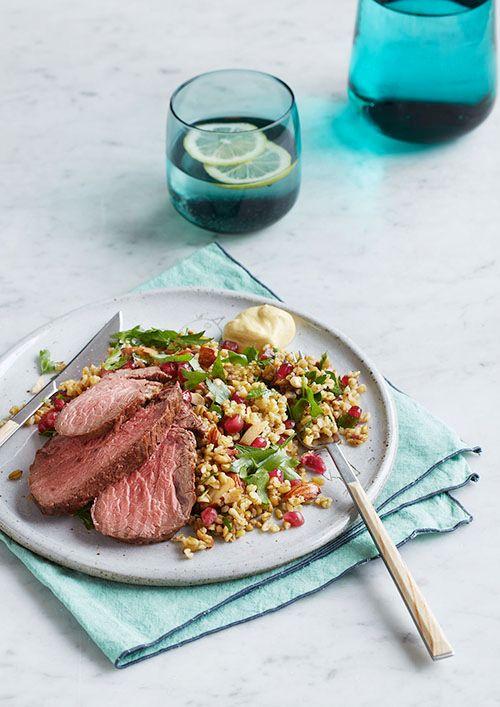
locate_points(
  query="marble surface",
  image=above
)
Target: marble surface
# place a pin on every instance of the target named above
(398, 247)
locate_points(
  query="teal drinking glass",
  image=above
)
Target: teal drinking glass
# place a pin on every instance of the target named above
(424, 70)
(233, 150)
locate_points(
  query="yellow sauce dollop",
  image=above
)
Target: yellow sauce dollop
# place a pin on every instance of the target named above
(262, 325)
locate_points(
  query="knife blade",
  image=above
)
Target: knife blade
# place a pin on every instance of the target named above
(93, 352)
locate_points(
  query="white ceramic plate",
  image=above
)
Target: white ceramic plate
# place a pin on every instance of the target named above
(65, 540)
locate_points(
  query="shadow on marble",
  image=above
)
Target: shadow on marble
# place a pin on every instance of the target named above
(392, 615)
(160, 222)
(156, 220)
(334, 125)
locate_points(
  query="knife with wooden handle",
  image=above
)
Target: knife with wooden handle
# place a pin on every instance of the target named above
(95, 351)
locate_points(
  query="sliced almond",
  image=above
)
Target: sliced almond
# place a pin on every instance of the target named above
(41, 383)
(252, 432)
(197, 399)
(226, 484)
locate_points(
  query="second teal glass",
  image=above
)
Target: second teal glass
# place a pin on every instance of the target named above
(424, 70)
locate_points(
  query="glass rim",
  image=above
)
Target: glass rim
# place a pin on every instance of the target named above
(438, 15)
(267, 126)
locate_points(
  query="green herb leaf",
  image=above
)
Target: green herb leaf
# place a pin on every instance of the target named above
(115, 360)
(85, 516)
(237, 359)
(261, 480)
(314, 408)
(253, 460)
(289, 473)
(257, 393)
(313, 377)
(193, 378)
(218, 369)
(214, 407)
(251, 353)
(254, 453)
(45, 362)
(227, 522)
(162, 338)
(322, 361)
(347, 421)
(173, 358)
(242, 466)
(127, 336)
(337, 386)
(220, 391)
(280, 460)
(298, 408)
(308, 399)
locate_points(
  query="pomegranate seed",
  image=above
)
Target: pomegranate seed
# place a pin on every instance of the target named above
(289, 424)
(182, 367)
(129, 364)
(355, 411)
(233, 425)
(283, 371)
(344, 380)
(58, 403)
(313, 462)
(169, 368)
(283, 439)
(295, 482)
(259, 442)
(276, 474)
(295, 518)
(206, 356)
(208, 516)
(229, 345)
(186, 396)
(47, 421)
(237, 398)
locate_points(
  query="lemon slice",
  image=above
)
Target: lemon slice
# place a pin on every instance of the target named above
(225, 144)
(270, 166)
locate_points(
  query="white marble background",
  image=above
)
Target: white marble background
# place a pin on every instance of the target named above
(400, 251)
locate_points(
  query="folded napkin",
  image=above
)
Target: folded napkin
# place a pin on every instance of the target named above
(131, 623)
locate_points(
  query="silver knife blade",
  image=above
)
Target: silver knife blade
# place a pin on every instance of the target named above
(93, 352)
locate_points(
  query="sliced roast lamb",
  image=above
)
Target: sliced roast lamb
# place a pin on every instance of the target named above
(68, 472)
(114, 399)
(151, 504)
(152, 373)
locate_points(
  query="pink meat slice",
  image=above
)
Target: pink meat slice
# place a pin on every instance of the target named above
(152, 373)
(115, 398)
(68, 472)
(151, 504)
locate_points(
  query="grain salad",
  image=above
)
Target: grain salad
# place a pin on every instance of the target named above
(255, 404)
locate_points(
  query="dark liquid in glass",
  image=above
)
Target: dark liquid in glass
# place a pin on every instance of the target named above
(427, 121)
(226, 208)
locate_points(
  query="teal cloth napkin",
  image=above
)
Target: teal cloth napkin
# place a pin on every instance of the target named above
(131, 623)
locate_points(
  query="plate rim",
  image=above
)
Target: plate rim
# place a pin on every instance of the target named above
(372, 490)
